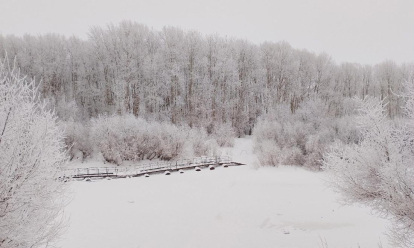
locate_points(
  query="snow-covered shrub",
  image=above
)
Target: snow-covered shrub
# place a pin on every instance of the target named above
(172, 140)
(32, 152)
(77, 139)
(105, 137)
(212, 148)
(346, 129)
(121, 138)
(203, 144)
(268, 152)
(302, 137)
(198, 138)
(267, 129)
(224, 134)
(379, 169)
(316, 145)
(292, 156)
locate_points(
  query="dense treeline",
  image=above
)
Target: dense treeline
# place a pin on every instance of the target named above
(187, 78)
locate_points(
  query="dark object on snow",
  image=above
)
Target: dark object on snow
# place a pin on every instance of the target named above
(225, 165)
(181, 171)
(197, 169)
(146, 175)
(167, 173)
(211, 167)
(88, 179)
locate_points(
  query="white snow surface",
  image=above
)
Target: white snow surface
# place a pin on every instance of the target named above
(226, 207)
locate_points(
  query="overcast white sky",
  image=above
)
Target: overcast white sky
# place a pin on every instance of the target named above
(363, 31)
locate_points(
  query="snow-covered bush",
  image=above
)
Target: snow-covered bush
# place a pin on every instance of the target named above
(267, 129)
(224, 134)
(292, 156)
(77, 139)
(121, 138)
(315, 147)
(268, 152)
(105, 137)
(379, 170)
(198, 137)
(31, 155)
(346, 130)
(202, 144)
(172, 140)
(300, 138)
(212, 148)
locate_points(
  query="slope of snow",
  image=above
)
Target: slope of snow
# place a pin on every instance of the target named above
(226, 207)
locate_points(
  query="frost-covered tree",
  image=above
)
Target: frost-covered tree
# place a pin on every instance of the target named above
(379, 169)
(31, 155)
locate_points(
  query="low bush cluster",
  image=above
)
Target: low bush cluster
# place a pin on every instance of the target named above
(128, 138)
(300, 138)
(224, 135)
(77, 139)
(121, 138)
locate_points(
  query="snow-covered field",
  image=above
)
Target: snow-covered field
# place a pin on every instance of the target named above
(227, 207)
